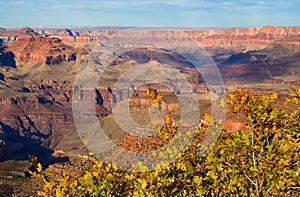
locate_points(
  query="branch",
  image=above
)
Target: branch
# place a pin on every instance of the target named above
(249, 179)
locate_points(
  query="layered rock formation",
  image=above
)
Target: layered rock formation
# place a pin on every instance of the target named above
(43, 50)
(84, 38)
(12, 35)
(247, 38)
(251, 38)
(40, 120)
(95, 33)
(37, 120)
(68, 35)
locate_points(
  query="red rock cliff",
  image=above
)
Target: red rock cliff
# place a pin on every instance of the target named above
(43, 50)
(251, 38)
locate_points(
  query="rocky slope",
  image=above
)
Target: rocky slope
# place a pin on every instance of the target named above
(35, 121)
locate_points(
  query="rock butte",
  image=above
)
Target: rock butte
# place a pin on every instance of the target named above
(43, 50)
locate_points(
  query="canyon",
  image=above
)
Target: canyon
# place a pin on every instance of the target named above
(38, 69)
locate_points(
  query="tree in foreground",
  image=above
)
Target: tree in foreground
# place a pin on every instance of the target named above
(263, 159)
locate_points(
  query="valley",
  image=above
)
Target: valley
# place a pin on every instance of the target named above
(38, 69)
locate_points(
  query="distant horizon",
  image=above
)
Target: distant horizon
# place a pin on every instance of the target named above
(149, 13)
(139, 27)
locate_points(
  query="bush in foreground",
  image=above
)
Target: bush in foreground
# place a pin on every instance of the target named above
(261, 160)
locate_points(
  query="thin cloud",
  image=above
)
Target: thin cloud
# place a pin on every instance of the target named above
(194, 4)
(145, 12)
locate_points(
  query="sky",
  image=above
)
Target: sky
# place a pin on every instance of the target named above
(151, 13)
